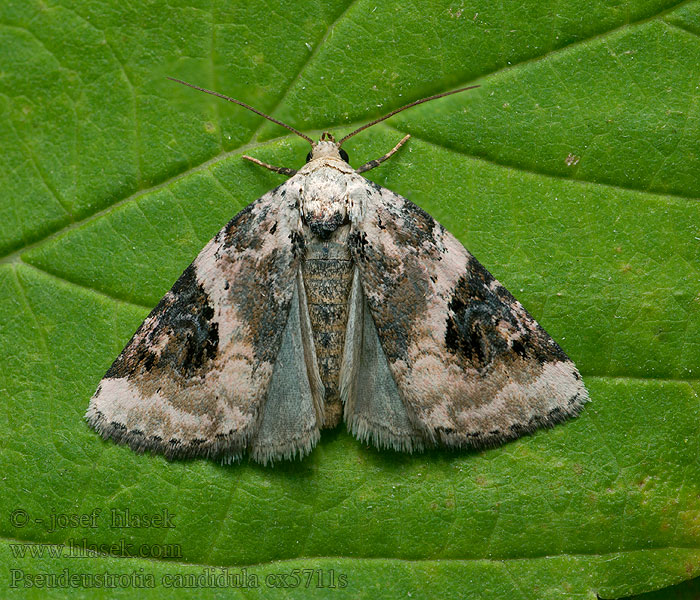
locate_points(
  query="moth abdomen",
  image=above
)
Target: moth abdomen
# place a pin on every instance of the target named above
(327, 272)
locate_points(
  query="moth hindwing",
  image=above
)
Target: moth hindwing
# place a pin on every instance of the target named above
(331, 298)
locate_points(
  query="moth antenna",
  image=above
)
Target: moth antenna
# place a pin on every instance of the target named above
(244, 105)
(398, 110)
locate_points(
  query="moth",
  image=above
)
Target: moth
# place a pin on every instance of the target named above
(333, 298)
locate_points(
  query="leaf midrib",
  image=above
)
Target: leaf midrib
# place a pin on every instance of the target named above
(9, 540)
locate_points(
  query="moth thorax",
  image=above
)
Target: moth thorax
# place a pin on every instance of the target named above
(324, 201)
(327, 271)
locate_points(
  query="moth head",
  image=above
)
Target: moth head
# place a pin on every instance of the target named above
(327, 147)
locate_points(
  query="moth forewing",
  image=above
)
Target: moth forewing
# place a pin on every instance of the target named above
(472, 367)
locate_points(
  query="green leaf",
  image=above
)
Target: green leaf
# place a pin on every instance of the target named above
(571, 173)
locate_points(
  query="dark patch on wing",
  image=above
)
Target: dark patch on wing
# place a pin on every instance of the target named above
(357, 242)
(298, 244)
(185, 318)
(418, 226)
(481, 323)
(233, 234)
(472, 333)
